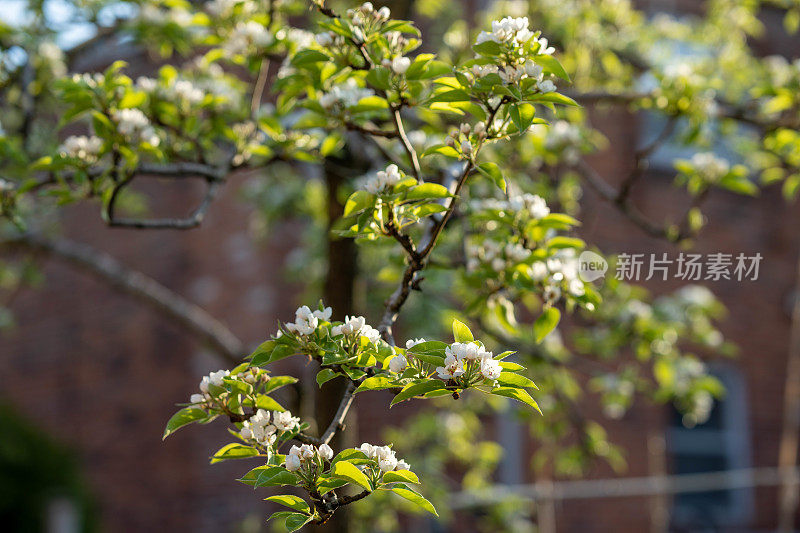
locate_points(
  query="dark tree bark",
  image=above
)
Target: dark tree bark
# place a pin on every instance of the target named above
(338, 292)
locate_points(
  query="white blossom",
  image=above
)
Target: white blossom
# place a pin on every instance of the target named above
(284, 420)
(197, 398)
(135, 126)
(292, 462)
(400, 64)
(82, 147)
(508, 30)
(247, 35)
(410, 343)
(305, 321)
(382, 180)
(325, 452)
(709, 166)
(490, 369)
(398, 363)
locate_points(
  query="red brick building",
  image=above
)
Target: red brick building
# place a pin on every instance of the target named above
(102, 373)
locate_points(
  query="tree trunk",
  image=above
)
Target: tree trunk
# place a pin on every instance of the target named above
(338, 292)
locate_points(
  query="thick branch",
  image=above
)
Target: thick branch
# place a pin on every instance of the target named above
(190, 316)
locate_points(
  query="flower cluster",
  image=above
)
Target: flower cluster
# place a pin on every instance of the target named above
(531, 205)
(385, 457)
(463, 137)
(259, 428)
(366, 15)
(307, 456)
(399, 362)
(353, 325)
(176, 90)
(710, 167)
(135, 126)
(246, 36)
(215, 379)
(344, 96)
(382, 180)
(87, 149)
(494, 254)
(468, 359)
(560, 269)
(306, 320)
(508, 30)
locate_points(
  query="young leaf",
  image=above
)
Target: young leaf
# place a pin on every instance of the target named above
(348, 471)
(375, 383)
(290, 501)
(417, 389)
(461, 332)
(416, 498)
(325, 375)
(517, 394)
(546, 323)
(492, 171)
(515, 380)
(402, 476)
(233, 450)
(295, 521)
(185, 416)
(551, 64)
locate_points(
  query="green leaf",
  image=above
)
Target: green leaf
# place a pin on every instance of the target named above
(348, 471)
(492, 171)
(376, 383)
(417, 389)
(266, 402)
(461, 332)
(262, 354)
(358, 202)
(441, 149)
(276, 382)
(185, 416)
(522, 115)
(515, 380)
(233, 450)
(517, 394)
(276, 476)
(452, 95)
(353, 455)
(552, 65)
(307, 57)
(416, 498)
(546, 323)
(555, 98)
(488, 48)
(565, 242)
(296, 521)
(402, 476)
(325, 375)
(426, 191)
(132, 99)
(290, 501)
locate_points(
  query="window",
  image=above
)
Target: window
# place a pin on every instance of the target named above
(721, 443)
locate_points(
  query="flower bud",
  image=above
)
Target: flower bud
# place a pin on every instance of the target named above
(325, 452)
(398, 363)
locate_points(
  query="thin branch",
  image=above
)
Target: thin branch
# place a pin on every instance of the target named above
(188, 315)
(401, 132)
(368, 130)
(192, 221)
